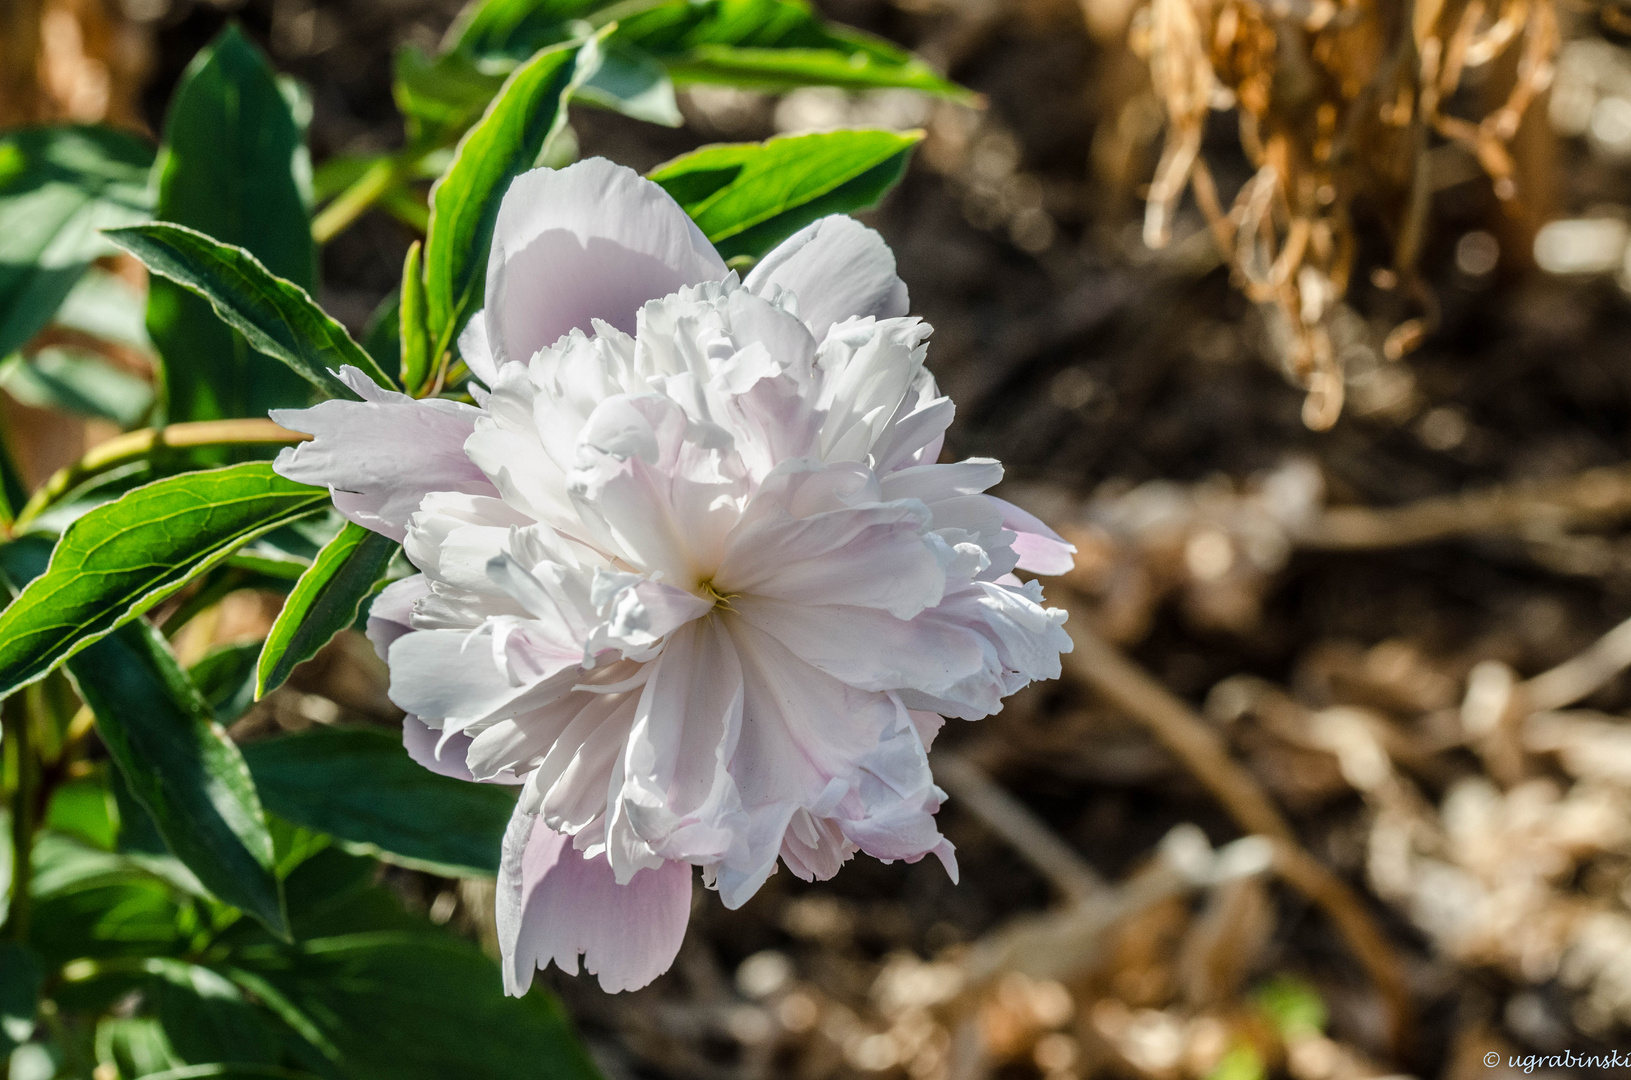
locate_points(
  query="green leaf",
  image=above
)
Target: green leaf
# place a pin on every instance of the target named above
(464, 203)
(383, 336)
(360, 786)
(277, 317)
(748, 197)
(633, 83)
(121, 558)
(208, 1019)
(84, 808)
(21, 975)
(134, 1047)
(234, 167)
(517, 28)
(324, 602)
(772, 45)
(181, 767)
(58, 186)
(440, 98)
(778, 69)
(226, 678)
(413, 1006)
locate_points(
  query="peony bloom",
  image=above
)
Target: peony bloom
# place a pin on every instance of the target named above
(691, 576)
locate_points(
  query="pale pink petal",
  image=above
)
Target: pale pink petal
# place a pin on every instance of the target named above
(933, 653)
(555, 905)
(389, 614)
(838, 269)
(798, 542)
(815, 848)
(900, 799)
(1040, 549)
(650, 493)
(871, 369)
(476, 350)
(426, 746)
(678, 792)
(468, 677)
(591, 241)
(801, 728)
(1024, 637)
(640, 612)
(381, 456)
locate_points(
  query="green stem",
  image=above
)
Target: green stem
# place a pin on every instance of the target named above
(14, 715)
(135, 445)
(374, 184)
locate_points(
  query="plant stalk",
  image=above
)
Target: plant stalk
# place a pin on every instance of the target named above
(14, 716)
(135, 445)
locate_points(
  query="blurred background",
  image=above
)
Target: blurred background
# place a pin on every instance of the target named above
(1308, 323)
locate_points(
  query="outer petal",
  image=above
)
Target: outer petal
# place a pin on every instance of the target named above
(1040, 549)
(554, 904)
(381, 456)
(425, 745)
(591, 241)
(389, 614)
(838, 269)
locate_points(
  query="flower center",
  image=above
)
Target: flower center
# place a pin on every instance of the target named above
(710, 592)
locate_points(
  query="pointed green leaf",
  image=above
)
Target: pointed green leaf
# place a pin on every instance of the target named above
(58, 186)
(412, 320)
(181, 767)
(464, 203)
(359, 786)
(748, 197)
(234, 167)
(277, 317)
(123, 557)
(772, 45)
(325, 601)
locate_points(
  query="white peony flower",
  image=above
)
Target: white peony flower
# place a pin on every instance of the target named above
(691, 575)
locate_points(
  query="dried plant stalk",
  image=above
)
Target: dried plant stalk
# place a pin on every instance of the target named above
(1337, 103)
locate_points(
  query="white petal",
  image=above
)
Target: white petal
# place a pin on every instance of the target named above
(555, 905)
(838, 269)
(591, 241)
(382, 455)
(870, 370)
(505, 443)
(443, 754)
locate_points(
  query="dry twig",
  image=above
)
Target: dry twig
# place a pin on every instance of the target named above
(1594, 497)
(1013, 821)
(1125, 685)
